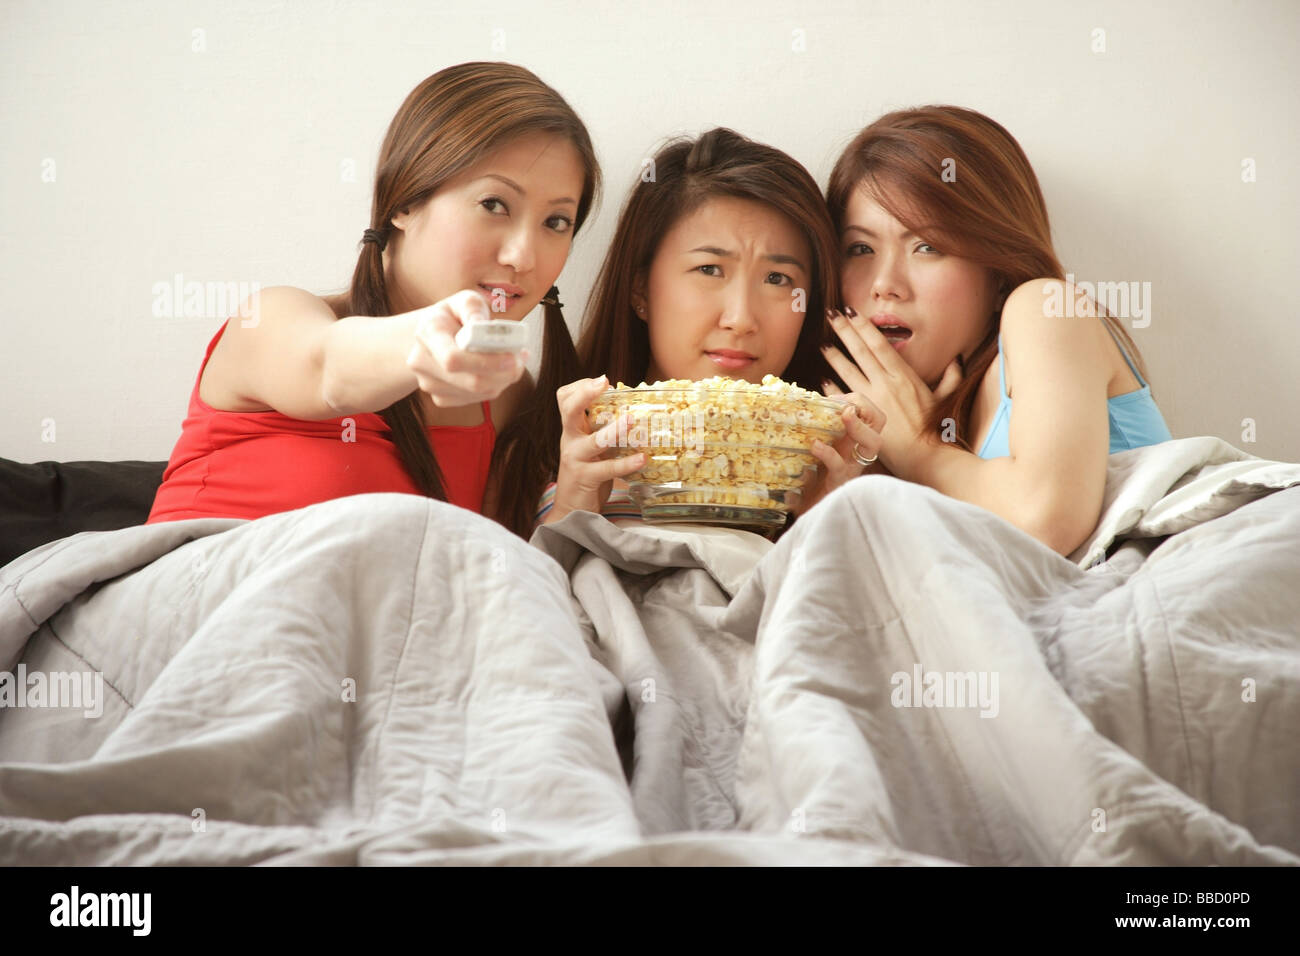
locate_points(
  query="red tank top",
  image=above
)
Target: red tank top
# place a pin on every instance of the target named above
(250, 464)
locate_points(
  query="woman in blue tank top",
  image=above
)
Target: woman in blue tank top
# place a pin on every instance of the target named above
(949, 271)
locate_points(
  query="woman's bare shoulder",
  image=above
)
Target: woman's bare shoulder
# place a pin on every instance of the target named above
(338, 304)
(280, 305)
(1074, 332)
(257, 335)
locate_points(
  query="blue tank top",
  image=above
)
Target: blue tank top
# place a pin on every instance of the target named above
(1135, 420)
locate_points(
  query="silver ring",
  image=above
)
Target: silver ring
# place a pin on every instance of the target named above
(857, 456)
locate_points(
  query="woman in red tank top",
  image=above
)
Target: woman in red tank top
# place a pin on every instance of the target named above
(484, 176)
(220, 464)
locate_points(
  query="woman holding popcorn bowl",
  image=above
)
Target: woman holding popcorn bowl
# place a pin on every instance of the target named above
(720, 272)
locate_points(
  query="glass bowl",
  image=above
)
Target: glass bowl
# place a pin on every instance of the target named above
(720, 451)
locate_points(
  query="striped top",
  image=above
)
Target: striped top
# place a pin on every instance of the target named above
(619, 505)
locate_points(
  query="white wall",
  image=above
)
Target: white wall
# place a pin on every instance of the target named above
(225, 164)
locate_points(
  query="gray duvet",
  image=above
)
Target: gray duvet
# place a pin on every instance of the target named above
(901, 679)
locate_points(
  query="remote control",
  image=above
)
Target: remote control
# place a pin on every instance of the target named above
(493, 335)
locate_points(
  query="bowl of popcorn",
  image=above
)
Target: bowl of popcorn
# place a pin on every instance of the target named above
(718, 451)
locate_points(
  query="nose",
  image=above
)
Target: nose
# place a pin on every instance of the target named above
(518, 251)
(890, 278)
(738, 310)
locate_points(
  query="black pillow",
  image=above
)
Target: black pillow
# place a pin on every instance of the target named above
(49, 500)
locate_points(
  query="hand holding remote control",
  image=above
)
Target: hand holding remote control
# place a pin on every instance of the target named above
(451, 374)
(494, 335)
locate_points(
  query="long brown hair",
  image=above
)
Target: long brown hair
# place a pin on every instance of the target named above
(685, 174)
(992, 213)
(451, 121)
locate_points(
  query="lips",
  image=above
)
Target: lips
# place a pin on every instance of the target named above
(511, 291)
(892, 327)
(730, 358)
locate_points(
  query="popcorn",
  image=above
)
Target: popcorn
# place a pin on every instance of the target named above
(718, 442)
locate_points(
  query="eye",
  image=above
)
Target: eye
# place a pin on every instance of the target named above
(711, 266)
(560, 224)
(926, 245)
(781, 278)
(858, 249)
(492, 201)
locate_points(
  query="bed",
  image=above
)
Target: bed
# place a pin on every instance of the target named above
(386, 679)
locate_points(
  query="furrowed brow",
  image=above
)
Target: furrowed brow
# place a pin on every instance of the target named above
(779, 258)
(786, 260)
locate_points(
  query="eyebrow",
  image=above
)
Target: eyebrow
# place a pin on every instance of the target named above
(774, 257)
(520, 189)
(867, 232)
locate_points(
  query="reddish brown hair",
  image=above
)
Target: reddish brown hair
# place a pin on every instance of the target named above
(992, 213)
(449, 122)
(688, 173)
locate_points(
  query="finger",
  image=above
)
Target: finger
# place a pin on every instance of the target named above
(466, 387)
(436, 331)
(438, 328)
(444, 395)
(852, 338)
(457, 361)
(827, 455)
(868, 439)
(867, 411)
(468, 305)
(626, 466)
(446, 389)
(453, 399)
(574, 399)
(848, 371)
(838, 470)
(438, 358)
(612, 435)
(573, 394)
(481, 385)
(830, 388)
(599, 472)
(952, 377)
(880, 347)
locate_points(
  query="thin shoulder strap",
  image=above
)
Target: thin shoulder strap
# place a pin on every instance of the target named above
(1002, 370)
(1124, 352)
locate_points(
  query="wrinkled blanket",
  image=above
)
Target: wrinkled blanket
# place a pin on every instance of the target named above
(906, 670)
(388, 679)
(379, 679)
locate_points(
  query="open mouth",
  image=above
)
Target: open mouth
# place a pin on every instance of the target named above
(495, 291)
(892, 328)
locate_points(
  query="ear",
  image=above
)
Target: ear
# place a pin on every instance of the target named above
(640, 304)
(401, 219)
